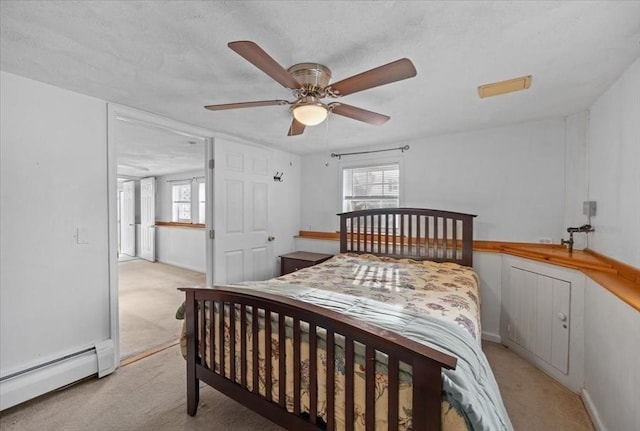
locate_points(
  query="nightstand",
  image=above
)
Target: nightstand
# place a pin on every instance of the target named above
(300, 259)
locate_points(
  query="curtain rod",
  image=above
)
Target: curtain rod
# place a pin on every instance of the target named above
(339, 155)
(186, 179)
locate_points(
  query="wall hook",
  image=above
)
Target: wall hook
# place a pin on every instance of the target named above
(278, 177)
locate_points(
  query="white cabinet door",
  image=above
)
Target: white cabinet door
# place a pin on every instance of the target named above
(243, 249)
(127, 219)
(148, 219)
(538, 315)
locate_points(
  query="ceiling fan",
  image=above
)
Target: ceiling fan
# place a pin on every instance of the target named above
(310, 83)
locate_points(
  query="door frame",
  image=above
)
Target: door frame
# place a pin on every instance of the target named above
(148, 214)
(117, 113)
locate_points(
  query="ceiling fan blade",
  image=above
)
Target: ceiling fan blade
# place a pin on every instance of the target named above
(359, 114)
(296, 128)
(392, 72)
(263, 61)
(245, 105)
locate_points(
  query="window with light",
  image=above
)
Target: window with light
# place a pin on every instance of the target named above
(368, 187)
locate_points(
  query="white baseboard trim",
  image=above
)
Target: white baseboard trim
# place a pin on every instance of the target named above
(490, 336)
(592, 410)
(26, 386)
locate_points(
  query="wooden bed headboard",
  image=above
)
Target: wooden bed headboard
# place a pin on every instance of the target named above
(414, 233)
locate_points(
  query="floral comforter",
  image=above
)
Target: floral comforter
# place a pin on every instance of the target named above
(446, 290)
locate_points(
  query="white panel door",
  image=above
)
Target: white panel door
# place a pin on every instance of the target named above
(127, 219)
(243, 248)
(148, 219)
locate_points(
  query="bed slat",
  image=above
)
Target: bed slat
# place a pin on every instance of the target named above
(255, 363)
(203, 329)
(212, 336)
(232, 341)
(394, 393)
(313, 374)
(370, 386)
(282, 361)
(221, 344)
(243, 345)
(296, 367)
(348, 383)
(331, 369)
(267, 355)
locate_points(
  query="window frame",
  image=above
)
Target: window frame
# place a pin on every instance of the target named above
(200, 202)
(175, 214)
(365, 163)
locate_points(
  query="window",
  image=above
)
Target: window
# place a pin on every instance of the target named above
(188, 201)
(181, 203)
(367, 187)
(202, 198)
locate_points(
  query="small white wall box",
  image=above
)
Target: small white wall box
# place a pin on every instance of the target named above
(589, 208)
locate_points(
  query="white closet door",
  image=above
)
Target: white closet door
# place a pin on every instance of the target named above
(243, 248)
(127, 219)
(539, 316)
(148, 219)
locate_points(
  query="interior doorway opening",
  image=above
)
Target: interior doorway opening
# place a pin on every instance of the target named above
(156, 253)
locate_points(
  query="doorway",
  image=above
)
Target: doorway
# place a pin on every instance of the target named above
(154, 252)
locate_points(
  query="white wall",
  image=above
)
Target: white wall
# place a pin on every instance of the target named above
(284, 204)
(612, 360)
(178, 246)
(182, 247)
(54, 290)
(575, 179)
(614, 168)
(612, 328)
(512, 177)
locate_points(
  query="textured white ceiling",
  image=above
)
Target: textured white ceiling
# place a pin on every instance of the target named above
(145, 151)
(171, 58)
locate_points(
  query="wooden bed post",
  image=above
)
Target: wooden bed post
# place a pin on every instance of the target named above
(467, 240)
(427, 386)
(343, 233)
(193, 385)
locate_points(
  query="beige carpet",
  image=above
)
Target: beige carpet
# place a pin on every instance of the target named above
(150, 395)
(534, 400)
(148, 301)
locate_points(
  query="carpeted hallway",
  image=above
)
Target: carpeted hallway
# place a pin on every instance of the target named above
(149, 394)
(148, 302)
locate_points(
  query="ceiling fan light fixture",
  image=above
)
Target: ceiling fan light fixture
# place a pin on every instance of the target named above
(309, 111)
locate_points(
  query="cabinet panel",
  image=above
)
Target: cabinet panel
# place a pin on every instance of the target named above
(560, 334)
(539, 316)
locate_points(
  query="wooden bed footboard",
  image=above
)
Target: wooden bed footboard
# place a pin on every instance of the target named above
(243, 310)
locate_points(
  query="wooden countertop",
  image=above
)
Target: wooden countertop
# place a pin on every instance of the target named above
(620, 279)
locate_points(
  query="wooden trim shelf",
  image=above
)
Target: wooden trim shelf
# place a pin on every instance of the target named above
(619, 278)
(178, 224)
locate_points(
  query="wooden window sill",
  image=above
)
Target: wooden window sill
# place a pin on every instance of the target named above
(179, 224)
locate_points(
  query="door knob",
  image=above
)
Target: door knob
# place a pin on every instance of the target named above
(271, 238)
(562, 317)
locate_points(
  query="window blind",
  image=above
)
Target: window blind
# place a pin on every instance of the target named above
(369, 187)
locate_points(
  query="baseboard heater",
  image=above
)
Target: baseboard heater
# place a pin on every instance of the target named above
(23, 385)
